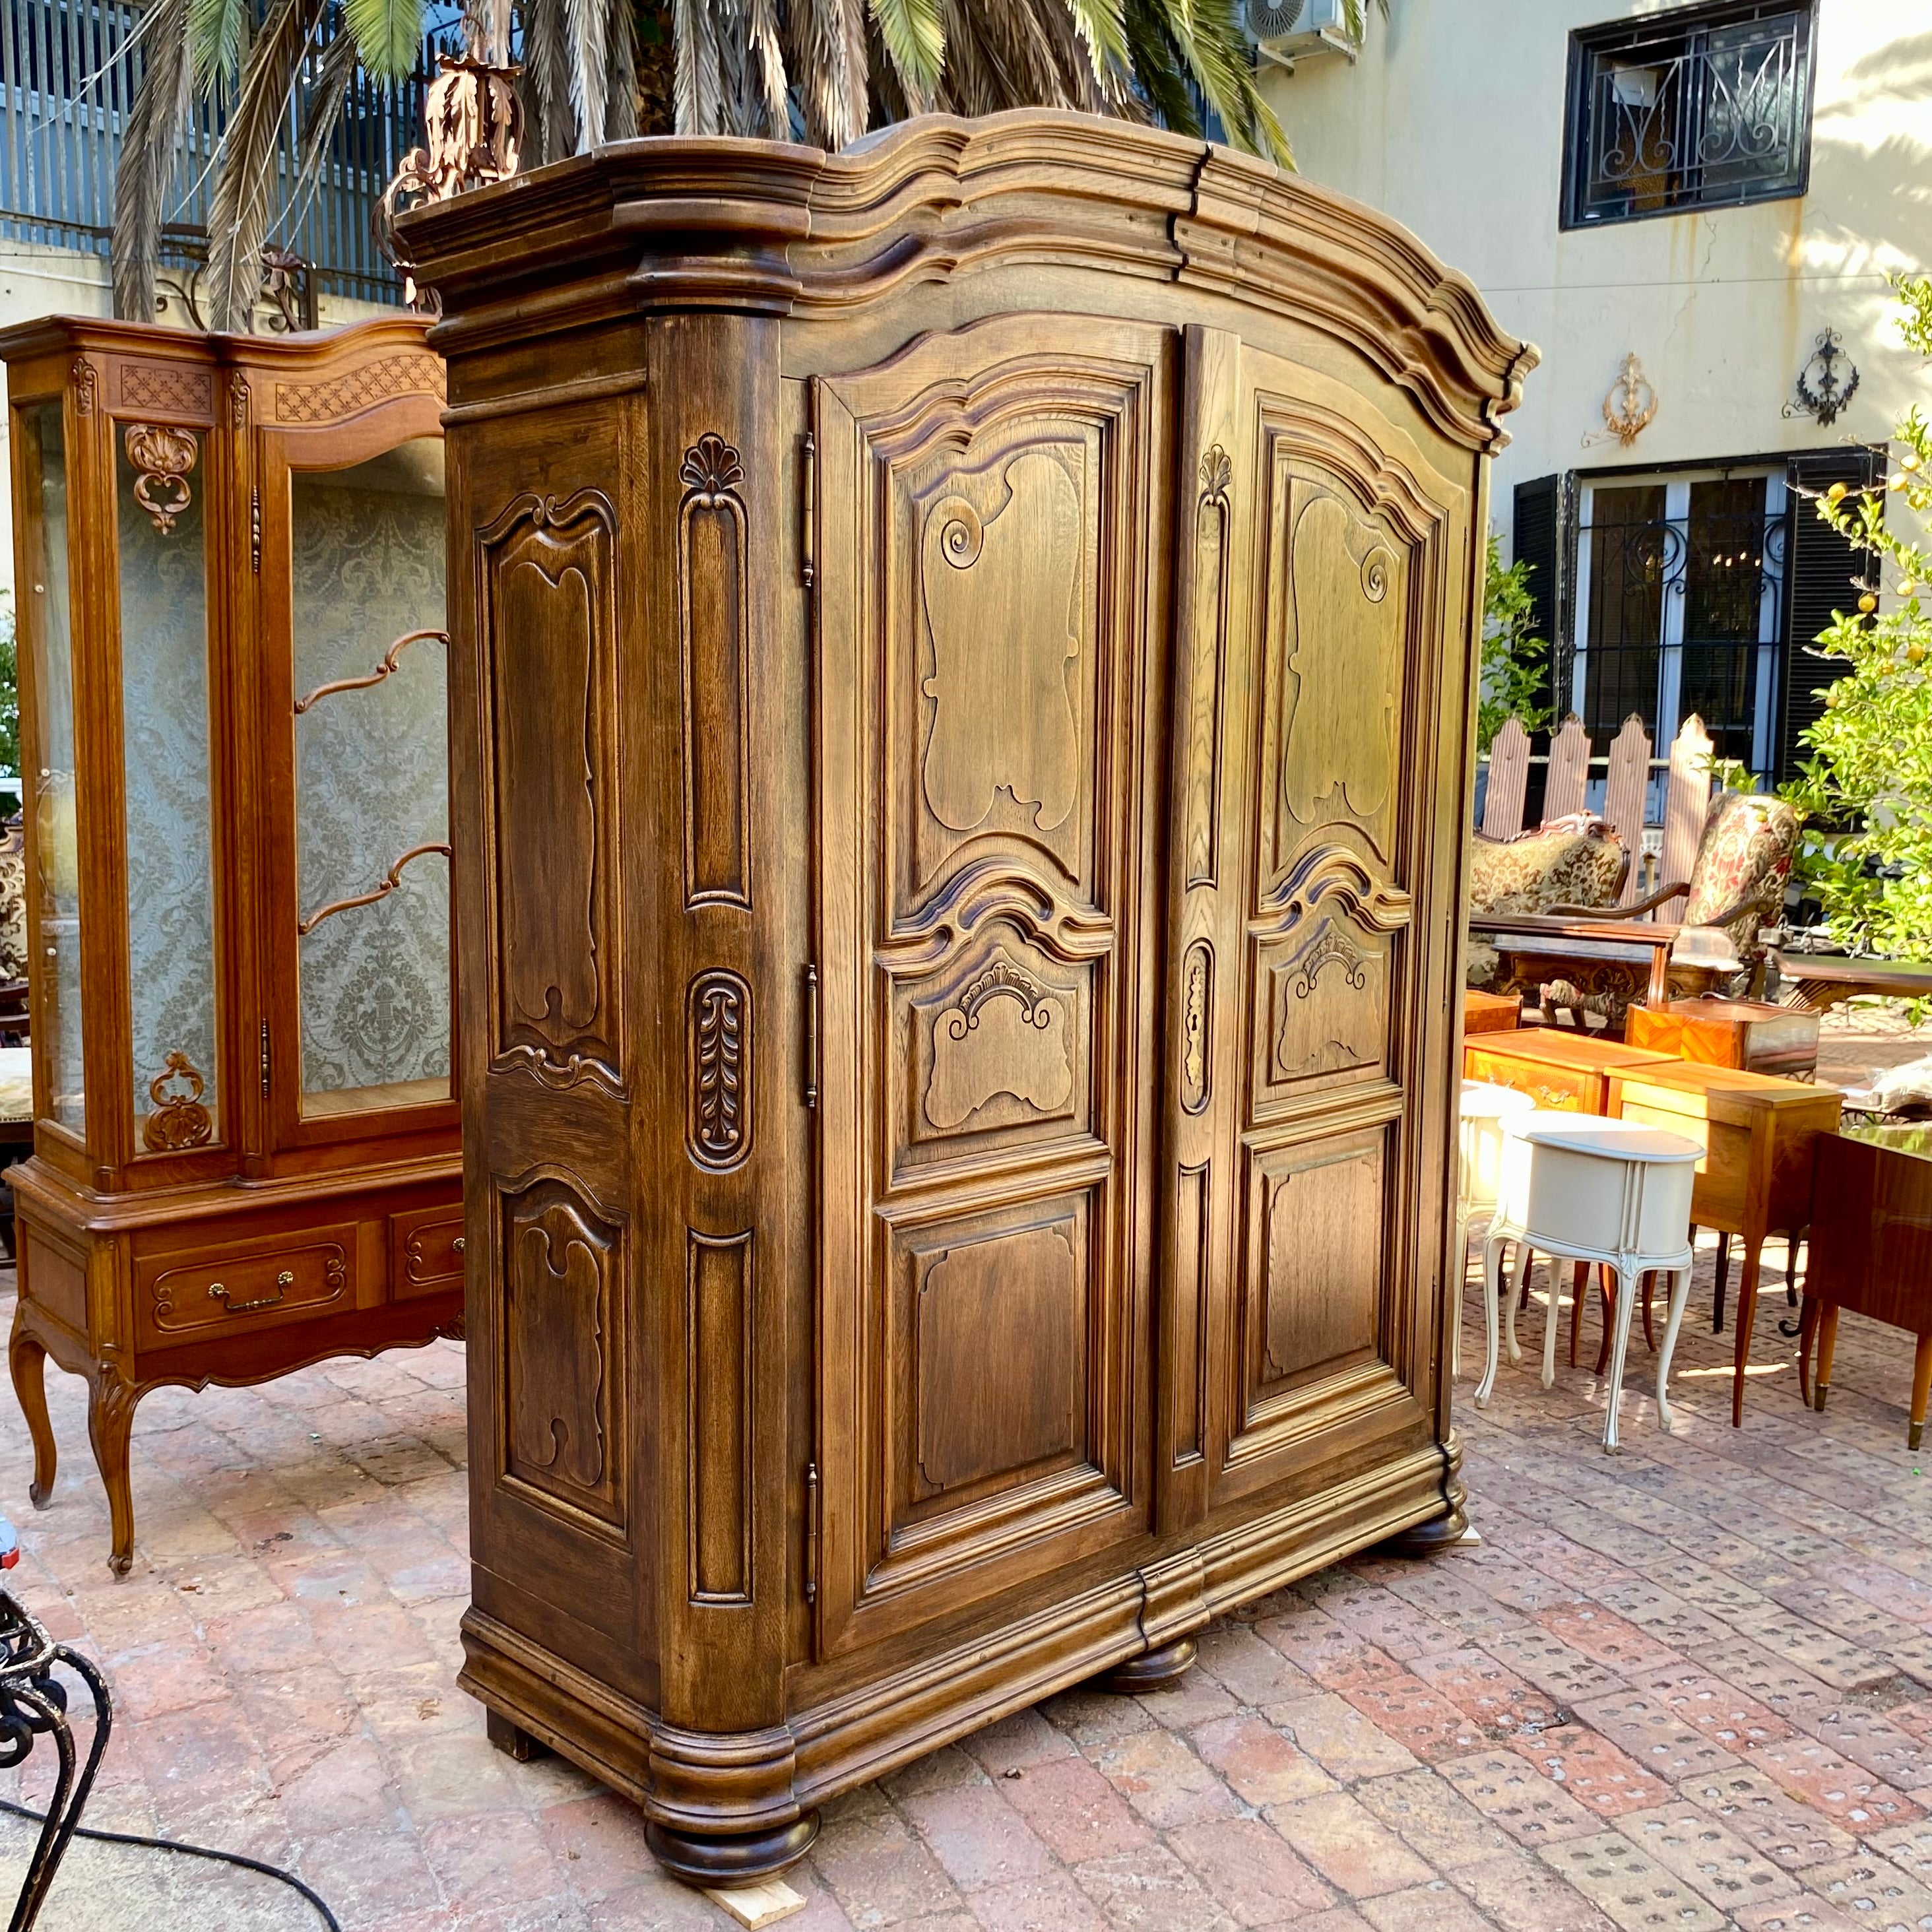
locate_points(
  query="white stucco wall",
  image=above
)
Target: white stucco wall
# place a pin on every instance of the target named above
(1452, 121)
(36, 282)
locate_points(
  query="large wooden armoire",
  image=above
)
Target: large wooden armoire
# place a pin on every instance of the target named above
(229, 571)
(961, 658)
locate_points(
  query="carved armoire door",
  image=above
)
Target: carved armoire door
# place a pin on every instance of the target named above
(1322, 569)
(991, 724)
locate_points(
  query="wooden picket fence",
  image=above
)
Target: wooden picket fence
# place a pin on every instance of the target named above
(1627, 768)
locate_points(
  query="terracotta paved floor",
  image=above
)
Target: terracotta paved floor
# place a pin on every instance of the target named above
(1685, 1684)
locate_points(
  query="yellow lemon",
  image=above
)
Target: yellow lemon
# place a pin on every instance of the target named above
(1867, 603)
(1836, 494)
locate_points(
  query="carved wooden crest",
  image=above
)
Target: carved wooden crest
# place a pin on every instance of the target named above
(178, 1120)
(163, 455)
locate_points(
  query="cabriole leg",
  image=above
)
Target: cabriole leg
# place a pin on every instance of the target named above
(110, 1421)
(1493, 1250)
(1680, 1294)
(1626, 1292)
(1827, 1347)
(28, 1361)
(1921, 1390)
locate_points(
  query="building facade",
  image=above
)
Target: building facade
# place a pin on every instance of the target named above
(1696, 211)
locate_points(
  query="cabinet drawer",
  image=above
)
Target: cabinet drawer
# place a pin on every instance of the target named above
(1574, 1090)
(425, 1251)
(295, 1279)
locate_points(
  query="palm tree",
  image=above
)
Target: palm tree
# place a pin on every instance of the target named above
(828, 70)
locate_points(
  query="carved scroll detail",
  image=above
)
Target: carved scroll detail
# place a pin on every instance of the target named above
(163, 455)
(1331, 946)
(84, 381)
(178, 1120)
(714, 629)
(1002, 598)
(238, 400)
(1007, 1033)
(720, 1023)
(560, 1276)
(1208, 645)
(1197, 999)
(546, 570)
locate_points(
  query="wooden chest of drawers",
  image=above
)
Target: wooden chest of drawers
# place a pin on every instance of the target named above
(1491, 1012)
(1555, 1068)
(1744, 1033)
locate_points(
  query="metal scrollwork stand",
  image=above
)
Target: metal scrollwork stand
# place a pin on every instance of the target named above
(33, 1704)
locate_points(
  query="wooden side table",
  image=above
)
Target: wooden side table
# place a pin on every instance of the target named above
(1817, 982)
(1871, 1250)
(1758, 1133)
(1744, 1033)
(1491, 1012)
(1555, 1069)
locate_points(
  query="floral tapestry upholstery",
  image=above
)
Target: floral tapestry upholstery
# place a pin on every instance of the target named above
(1744, 854)
(13, 902)
(1577, 862)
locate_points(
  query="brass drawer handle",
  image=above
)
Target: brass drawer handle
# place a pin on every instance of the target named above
(284, 1281)
(456, 1246)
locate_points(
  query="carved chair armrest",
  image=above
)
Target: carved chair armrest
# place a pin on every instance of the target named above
(1635, 909)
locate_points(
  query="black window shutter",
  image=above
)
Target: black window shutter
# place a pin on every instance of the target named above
(1821, 576)
(1537, 540)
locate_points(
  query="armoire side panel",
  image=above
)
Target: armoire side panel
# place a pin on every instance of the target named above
(559, 1535)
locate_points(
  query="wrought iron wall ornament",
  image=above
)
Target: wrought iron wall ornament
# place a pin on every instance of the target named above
(179, 1120)
(1824, 394)
(1628, 408)
(163, 456)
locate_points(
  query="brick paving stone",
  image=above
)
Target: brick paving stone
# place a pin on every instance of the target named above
(1874, 1891)
(1555, 1668)
(1599, 1633)
(1520, 1894)
(1427, 1908)
(1251, 1870)
(978, 1835)
(1164, 1780)
(1074, 1809)
(1349, 1846)
(1342, 1742)
(1516, 1794)
(1655, 1736)
(1703, 1701)
(1151, 1891)
(1432, 1818)
(1781, 1827)
(1405, 1708)
(1698, 1849)
(1498, 1700)
(1908, 1846)
(1054, 1903)
(1630, 1886)
(1593, 1770)
(1842, 1790)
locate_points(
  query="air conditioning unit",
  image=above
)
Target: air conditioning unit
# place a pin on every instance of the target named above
(1286, 31)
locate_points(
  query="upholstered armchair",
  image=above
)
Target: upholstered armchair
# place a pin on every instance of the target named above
(1736, 887)
(1577, 860)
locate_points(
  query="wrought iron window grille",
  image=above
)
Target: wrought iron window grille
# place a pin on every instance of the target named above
(1695, 107)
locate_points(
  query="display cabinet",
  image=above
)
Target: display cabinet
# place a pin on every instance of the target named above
(229, 557)
(961, 659)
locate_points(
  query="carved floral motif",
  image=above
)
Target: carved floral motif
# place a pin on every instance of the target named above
(721, 1124)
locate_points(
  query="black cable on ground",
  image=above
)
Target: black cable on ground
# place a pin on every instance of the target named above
(288, 1879)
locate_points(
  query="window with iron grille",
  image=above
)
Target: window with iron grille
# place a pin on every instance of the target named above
(1697, 107)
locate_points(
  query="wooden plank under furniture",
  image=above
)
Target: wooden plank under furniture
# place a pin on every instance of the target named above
(246, 1144)
(1748, 1034)
(1871, 1250)
(1554, 1066)
(1491, 1012)
(1759, 1134)
(962, 658)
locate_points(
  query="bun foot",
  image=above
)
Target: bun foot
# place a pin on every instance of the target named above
(1427, 1539)
(1159, 1669)
(743, 1857)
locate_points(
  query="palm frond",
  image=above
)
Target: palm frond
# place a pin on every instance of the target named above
(388, 33)
(550, 124)
(1209, 34)
(585, 22)
(215, 31)
(826, 53)
(620, 112)
(699, 82)
(913, 35)
(767, 49)
(325, 114)
(1102, 27)
(244, 176)
(149, 144)
(1159, 66)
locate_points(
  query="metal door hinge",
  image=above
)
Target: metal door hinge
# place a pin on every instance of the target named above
(810, 1094)
(811, 1532)
(255, 529)
(808, 495)
(265, 1057)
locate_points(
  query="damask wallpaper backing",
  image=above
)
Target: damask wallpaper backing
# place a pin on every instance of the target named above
(165, 736)
(372, 771)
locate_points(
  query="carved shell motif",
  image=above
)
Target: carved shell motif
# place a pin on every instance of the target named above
(163, 456)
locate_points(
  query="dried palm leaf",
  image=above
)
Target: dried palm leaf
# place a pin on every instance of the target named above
(149, 144)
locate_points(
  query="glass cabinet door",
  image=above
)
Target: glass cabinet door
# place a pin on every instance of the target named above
(371, 789)
(50, 790)
(161, 489)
